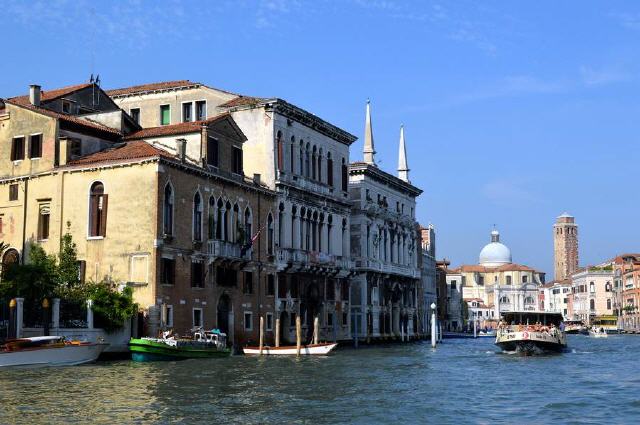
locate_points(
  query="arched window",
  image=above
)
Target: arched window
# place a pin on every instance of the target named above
(504, 300)
(292, 155)
(227, 222)
(307, 165)
(329, 169)
(248, 232)
(281, 225)
(219, 220)
(294, 236)
(211, 220)
(197, 217)
(280, 150)
(313, 163)
(10, 258)
(528, 300)
(301, 170)
(97, 210)
(167, 220)
(345, 175)
(592, 304)
(320, 165)
(329, 224)
(236, 224)
(270, 234)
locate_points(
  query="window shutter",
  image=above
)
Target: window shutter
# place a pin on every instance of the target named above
(103, 216)
(82, 269)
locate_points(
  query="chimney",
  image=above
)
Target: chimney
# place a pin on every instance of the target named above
(182, 149)
(256, 178)
(34, 94)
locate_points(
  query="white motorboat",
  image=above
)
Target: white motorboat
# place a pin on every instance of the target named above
(596, 332)
(291, 350)
(531, 332)
(48, 351)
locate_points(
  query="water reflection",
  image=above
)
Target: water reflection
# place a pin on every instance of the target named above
(463, 381)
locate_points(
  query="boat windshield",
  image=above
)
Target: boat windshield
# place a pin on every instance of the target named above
(531, 318)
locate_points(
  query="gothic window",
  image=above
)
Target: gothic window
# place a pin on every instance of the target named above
(320, 165)
(280, 225)
(292, 154)
(219, 223)
(313, 163)
(329, 169)
(167, 219)
(280, 150)
(270, 234)
(293, 223)
(301, 170)
(235, 223)
(307, 165)
(197, 217)
(227, 222)
(247, 225)
(329, 223)
(345, 177)
(97, 210)
(211, 219)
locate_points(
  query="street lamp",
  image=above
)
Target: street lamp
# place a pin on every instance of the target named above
(433, 325)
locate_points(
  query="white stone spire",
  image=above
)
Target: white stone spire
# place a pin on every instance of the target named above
(369, 150)
(403, 169)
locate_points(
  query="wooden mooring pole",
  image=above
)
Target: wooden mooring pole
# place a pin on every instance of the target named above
(261, 333)
(277, 332)
(316, 330)
(298, 335)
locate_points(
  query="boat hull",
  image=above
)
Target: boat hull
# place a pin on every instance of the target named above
(531, 342)
(143, 350)
(291, 350)
(67, 355)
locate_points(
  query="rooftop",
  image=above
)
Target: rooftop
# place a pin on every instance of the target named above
(122, 152)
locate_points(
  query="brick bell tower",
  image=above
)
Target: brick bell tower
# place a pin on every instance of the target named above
(565, 246)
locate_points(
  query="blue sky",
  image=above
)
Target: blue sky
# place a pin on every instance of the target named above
(514, 112)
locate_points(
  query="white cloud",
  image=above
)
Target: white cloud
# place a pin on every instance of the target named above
(593, 77)
(508, 192)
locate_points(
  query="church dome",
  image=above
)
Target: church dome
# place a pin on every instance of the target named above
(495, 253)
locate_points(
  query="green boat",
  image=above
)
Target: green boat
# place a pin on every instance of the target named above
(204, 344)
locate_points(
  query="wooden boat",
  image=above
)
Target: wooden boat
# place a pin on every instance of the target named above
(291, 350)
(48, 351)
(596, 332)
(531, 332)
(203, 344)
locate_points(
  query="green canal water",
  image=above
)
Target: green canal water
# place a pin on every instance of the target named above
(463, 381)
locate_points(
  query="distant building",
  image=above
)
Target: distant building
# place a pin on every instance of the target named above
(565, 246)
(428, 274)
(556, 297)
(454, 318)
(627, 290)
(593, 292)
(497, 281)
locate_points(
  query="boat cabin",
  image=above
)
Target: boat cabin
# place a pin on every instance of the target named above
(531, 318)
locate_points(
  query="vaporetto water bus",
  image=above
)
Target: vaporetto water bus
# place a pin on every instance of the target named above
(531, 332)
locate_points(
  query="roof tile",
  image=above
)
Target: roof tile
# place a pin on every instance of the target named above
(122, 152)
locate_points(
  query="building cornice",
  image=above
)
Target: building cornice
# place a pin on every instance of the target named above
(361, 168)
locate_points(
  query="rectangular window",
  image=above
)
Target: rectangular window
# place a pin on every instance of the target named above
(201, 110)
(35, 146)
(453, 284)
(330, 320)
(75, 148)
(165, 114)
(345, 318)
(167, 271)
(212, 152)
(271, 285)
(248, 321)
(236, 166)
(43, 223)
(17, 149)
(269, 322)
(135, 115)
(66, 107)
(13, 192)
(247, 285)
(197, 275)
(197, 317)
(187, 112)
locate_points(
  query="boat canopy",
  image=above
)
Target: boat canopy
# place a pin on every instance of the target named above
(532, 317)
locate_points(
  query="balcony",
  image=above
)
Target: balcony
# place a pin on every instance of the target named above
(308, 184)
(397, 269)
(312, 261)
(224, 250)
